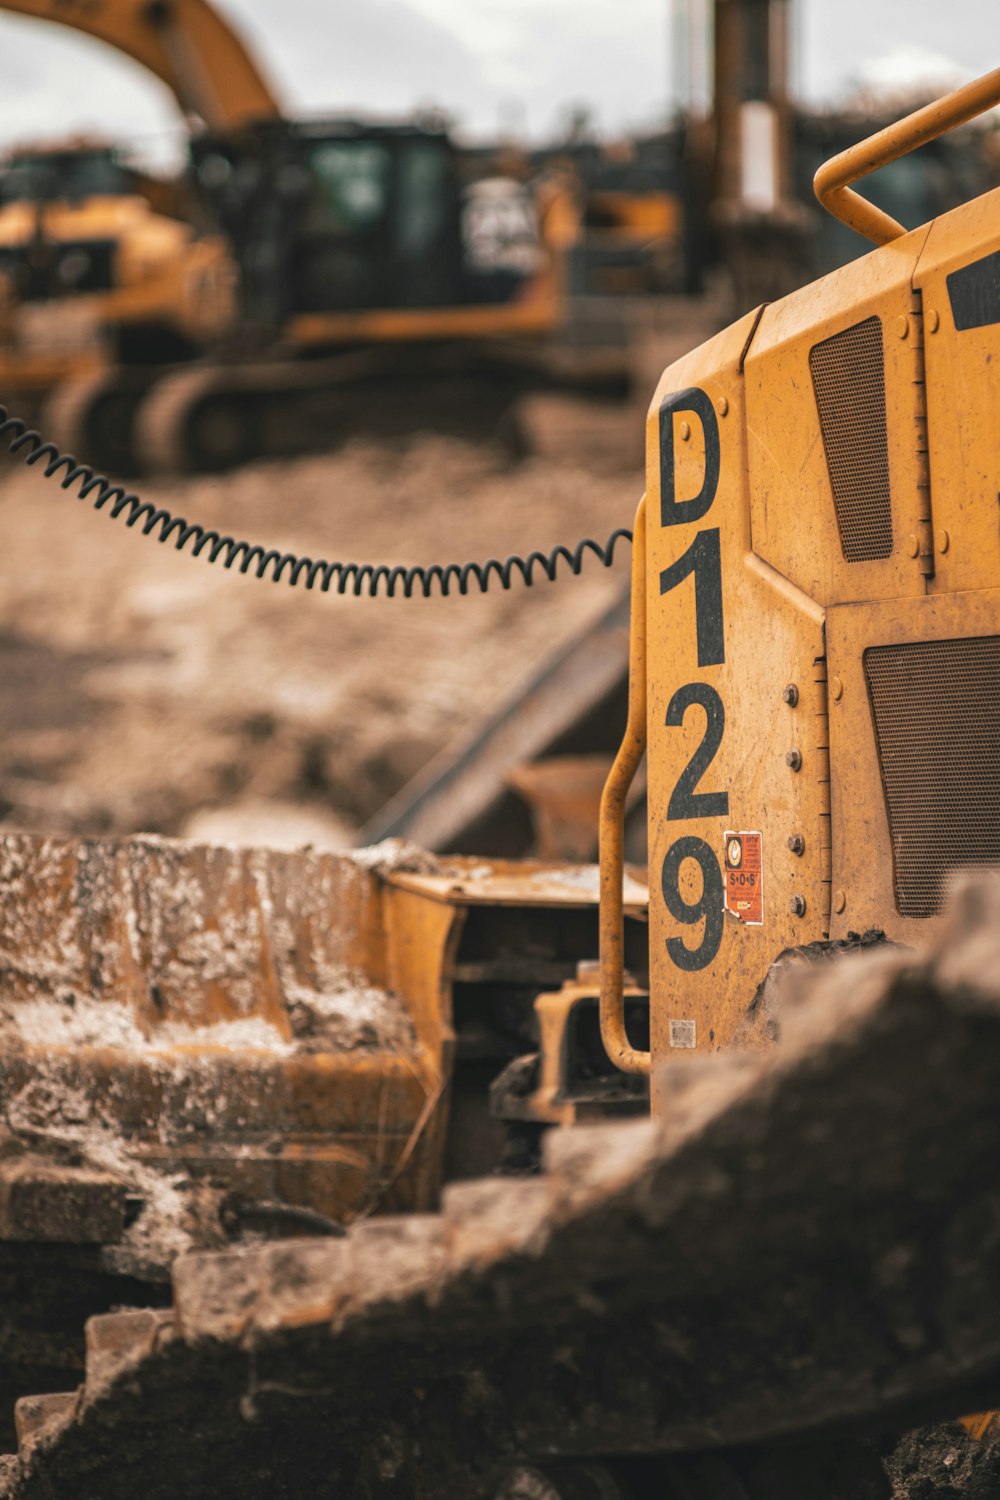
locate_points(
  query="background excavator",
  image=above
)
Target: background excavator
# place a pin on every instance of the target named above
(311, 278)
(749, 1293)
(325, 237)
(102, 267)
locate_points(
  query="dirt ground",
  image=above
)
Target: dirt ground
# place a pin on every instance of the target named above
(945, 1463)
(145, 691)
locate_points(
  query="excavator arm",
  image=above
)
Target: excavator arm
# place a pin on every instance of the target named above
(186, 43)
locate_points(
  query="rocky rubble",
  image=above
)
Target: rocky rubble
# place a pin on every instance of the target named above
(809, 1240)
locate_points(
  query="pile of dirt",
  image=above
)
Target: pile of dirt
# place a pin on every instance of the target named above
(945, 1463)
(144, 691)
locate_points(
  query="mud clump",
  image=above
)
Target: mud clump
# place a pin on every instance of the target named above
(945, 1463)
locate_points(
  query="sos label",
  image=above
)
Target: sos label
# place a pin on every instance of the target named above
(744, 877)
(691, 797)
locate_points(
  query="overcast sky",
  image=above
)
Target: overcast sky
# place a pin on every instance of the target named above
(520, 65)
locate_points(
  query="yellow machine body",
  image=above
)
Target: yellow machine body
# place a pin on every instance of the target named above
(822, 622)
(163, 276)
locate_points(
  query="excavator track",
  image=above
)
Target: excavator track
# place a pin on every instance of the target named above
(93, 416)
(215, 416)
(806, 1242)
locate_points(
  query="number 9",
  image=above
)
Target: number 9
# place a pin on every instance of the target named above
(708, 905)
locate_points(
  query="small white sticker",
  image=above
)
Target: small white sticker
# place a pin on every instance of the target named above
(683, 1034)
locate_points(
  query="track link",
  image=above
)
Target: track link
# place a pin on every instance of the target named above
(811, 1238)
(93, 417)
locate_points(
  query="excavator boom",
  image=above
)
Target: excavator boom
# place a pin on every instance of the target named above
(186, 43)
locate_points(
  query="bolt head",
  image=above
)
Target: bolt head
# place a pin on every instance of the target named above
(797, 844)
(839, 901)
(685, 431)
(794, 760)
(722, 406)
(903, 326)
(791, 695)
(797, 906)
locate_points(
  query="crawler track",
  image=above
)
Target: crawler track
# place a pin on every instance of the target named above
(810, 1239)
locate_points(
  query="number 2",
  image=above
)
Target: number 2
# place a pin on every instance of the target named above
(685, 801)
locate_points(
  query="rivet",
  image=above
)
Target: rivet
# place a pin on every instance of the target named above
(836, 689)
(943, 540)
(794, 760)
(839, 901)
(797, 844)
(797, 906)
(685, 431)
(723, 405)
(912, 545)
(933, 320)
(790, 695)
(903, 326)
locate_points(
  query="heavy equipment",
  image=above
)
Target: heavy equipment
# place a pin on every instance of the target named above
(377, 284)
(801, 1240)
(633, 210)
(159, 284)
(99, 266)
(356, 251)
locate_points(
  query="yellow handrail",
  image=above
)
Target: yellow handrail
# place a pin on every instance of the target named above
(612, 825)
(832, 181)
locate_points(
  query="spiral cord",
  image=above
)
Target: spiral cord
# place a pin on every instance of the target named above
(357, 579)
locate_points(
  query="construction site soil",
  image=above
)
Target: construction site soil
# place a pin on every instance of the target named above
(143, 691)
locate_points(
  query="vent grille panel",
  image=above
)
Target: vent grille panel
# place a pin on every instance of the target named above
(937, 726)
(848, 373)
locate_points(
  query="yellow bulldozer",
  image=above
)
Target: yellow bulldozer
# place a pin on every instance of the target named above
(216, 1061)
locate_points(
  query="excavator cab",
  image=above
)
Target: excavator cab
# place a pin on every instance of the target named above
(342, 216)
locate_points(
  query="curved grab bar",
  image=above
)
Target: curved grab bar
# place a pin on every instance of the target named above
(832, 181)
(612, 825)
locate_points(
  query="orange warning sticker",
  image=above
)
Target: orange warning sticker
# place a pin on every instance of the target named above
(745, 877)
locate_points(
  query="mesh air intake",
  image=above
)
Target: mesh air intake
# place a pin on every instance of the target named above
(848, 373)
(937, 726)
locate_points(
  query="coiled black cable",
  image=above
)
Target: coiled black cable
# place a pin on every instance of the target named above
(356, 578)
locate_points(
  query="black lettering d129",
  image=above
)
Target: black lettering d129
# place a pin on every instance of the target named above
(674, 512)
(708, 905)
